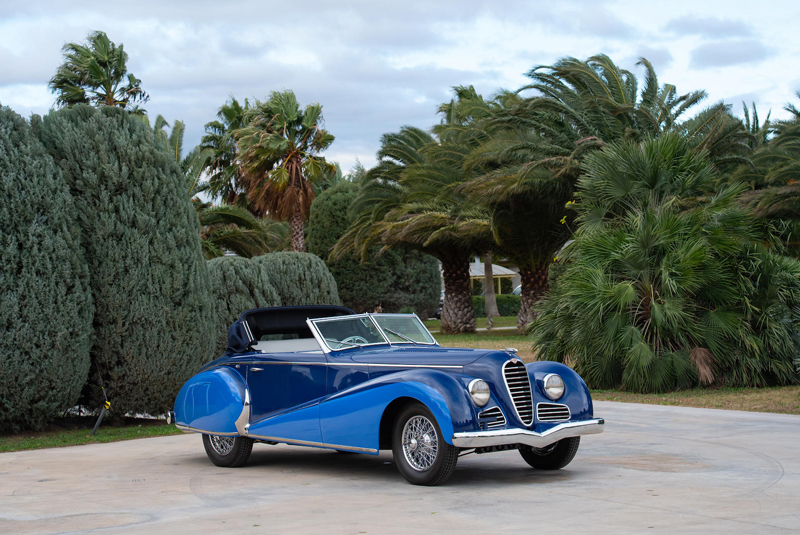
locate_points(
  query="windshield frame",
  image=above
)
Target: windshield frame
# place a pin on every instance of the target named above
(417, 343)
(312, 324)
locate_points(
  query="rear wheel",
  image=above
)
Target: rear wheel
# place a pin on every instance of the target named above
(421, 454)
(552, 457)
(227, 451)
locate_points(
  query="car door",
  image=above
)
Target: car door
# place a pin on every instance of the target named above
(285, 389)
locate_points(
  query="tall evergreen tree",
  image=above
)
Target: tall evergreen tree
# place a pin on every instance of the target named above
(395, 279)
(46, 312)
(238, 284)
(154, 311)
(300, 278)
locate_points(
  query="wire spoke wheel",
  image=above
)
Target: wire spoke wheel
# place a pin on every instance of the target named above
(420, 443)
(222, 445)
(420, 451)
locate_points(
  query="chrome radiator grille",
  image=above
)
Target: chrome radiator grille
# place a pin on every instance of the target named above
(552, 412)
(519, 386)
(495, 417)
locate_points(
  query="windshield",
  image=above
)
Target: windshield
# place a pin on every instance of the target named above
(345, 332)
(349, 331)
(402, 329)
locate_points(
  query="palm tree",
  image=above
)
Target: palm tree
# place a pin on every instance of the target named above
(668, 284)
(527, 170)
(194, 163)
(410, 199)
(224, 176)
(96, 73)
(278, 152)
(232, 229)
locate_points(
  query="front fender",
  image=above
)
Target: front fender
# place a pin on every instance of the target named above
(576, 393)
(352, 417)
(213, 402)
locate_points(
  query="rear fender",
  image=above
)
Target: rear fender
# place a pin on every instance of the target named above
(214, 402)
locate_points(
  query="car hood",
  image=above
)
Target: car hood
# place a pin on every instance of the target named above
(427, 355)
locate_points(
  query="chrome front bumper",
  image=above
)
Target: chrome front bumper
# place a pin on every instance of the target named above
(501, 437)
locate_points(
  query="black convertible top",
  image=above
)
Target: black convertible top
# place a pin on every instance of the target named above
(254, 324)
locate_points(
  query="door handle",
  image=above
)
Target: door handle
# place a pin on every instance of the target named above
(256, 369)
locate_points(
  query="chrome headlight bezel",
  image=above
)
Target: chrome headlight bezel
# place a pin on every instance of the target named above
(480, 392)
(553, 386)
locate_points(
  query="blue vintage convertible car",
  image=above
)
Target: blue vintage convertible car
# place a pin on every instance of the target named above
(326, 377)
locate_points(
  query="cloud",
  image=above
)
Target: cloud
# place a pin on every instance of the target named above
(374, 66)
(709, 27)
(726, 53)
(659, 57)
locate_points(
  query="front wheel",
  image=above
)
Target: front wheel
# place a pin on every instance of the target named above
(420, 452)
(227, 451)
(552, 457)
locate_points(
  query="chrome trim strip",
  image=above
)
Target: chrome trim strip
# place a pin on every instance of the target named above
(195, 430)
(244, 418)
(356, 364)
(501, 437)
(404, 365)
(313, 444)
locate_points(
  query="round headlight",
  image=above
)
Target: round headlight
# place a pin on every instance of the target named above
(479, 391)
(553, 386)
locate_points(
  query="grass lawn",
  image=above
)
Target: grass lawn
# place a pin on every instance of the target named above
(785, 400)
(75, 437)
(489, 340)
(780, 399)
(502, 321)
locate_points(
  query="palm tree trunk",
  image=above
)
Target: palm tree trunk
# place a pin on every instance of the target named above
(298, 228)
(458, 316)
(534, 285)
(488, 290)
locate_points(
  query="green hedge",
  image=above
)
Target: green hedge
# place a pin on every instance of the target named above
(46, 312)
(300, 278)
(397, 279)
(507, 305)
(154, 318)
(238, 284)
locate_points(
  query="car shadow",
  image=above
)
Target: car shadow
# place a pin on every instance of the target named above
(485, 469)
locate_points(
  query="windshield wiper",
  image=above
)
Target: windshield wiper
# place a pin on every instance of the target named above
(404, 337)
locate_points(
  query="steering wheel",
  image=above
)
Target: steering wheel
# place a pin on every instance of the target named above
(347, 342)
(355, 340)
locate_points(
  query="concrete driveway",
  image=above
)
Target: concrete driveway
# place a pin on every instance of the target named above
(654, 470)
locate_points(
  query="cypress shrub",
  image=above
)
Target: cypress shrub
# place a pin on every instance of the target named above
(238, 284)
(397, 279)
(300, 278)
(46, 312)
(153, 323)
(507, 304)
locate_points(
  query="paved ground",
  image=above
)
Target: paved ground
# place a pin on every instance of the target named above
(654, 470)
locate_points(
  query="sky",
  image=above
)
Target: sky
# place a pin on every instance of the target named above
(376, 66)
